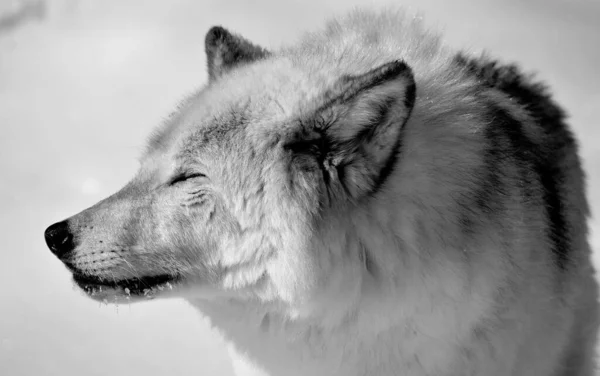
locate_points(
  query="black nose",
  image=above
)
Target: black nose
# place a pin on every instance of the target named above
(59, 238)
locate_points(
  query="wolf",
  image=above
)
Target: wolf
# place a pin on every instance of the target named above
(367, 201)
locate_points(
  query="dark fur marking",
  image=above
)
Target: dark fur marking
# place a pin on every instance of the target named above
(369, 263)
(367, 260)
(225, 51)
(487, 200)
(544, 156)
(533, 155)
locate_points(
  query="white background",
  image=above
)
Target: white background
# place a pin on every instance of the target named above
(83, 82)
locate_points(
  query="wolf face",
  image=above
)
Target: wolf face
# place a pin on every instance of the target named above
(234, 191)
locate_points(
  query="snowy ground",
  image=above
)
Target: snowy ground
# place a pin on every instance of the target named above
(82, 82)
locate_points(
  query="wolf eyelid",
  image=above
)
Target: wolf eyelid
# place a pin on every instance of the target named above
(185, 176)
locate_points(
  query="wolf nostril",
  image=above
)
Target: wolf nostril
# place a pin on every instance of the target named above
(59, 239)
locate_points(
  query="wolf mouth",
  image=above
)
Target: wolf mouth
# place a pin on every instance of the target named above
(134, 286)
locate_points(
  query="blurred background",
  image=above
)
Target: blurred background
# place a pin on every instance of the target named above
(83, 82)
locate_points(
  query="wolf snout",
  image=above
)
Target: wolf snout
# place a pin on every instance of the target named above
(59, 239)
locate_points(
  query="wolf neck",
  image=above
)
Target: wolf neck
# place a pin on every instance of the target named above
(280, 346)
(264, 340)
(380, 319)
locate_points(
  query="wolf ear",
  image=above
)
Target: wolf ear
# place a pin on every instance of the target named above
(360, 127)
(225, 51)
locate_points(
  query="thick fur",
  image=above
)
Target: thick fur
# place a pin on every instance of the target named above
(364, 202)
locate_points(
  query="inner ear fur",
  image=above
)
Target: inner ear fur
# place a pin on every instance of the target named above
(226, 51)
(359, 127)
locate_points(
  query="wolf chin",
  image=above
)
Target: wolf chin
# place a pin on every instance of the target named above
(364, 202)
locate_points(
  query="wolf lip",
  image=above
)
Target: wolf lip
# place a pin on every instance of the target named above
(132, 286)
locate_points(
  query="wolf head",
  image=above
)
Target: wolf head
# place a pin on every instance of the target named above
(241, 191)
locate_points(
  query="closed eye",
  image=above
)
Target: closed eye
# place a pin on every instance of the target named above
(185, 176)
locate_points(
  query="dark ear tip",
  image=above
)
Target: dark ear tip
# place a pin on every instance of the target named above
(399, 67)
(215, 35)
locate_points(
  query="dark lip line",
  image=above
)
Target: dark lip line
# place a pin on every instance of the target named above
(134, 286)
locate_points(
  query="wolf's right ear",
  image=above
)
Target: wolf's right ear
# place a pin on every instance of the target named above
(225, 51)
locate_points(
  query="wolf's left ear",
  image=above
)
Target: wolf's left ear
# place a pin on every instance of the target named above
(225, 51)
(360, 127)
